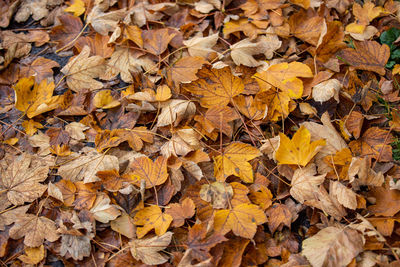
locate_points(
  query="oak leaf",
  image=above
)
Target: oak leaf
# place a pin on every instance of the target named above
(35, 230)
(152, 218)
(148, 250)
(35, 99)
(81, 71)
(180, 212)
(299, 150)
(234, 161)
(20, 180)
(333, 246)
(242, 220)
(216, 87)
(153, 173)
(367, 55)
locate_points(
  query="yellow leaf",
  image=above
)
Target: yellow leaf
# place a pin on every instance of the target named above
(234, 161)
(152, 218)
(242, 220)
(33, 255)
(299, 150)
(78, 8)
(216, 87)
(11, 141)
(36, 100)
(104, 100)
(396, 69)
(31, 126)
(153, 173)
(163, 93)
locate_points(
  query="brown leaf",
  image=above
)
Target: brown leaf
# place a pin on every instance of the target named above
(367, 55)
(98, 45)
(144, 169)
(85, 195)
(184, 70)
(148, 250)
(34, 229)
(307, 26)
(64, 33)
(20, 180)
(278, 214)
(156, 41)
(387, 201)
(40, 68)
(180, 212)
(111, 180)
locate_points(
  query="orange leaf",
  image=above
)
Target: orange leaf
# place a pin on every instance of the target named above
(185, 69)
(153, 173)
(152, 218)
(180, 212)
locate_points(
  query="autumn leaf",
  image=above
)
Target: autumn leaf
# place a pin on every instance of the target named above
(184, 70)
(82, 69)
(298, 150)
(218, 194)
(20, 180)
(234, 161)
(277, 215)
(305, 183)
(153, 173)
(35, 230)
(333, 246)
(180, 212)
(174, 111)
(77, 7)
(40, 68)
(152, 218)
(33, 255)
(34, 99)
(216, 87)
(387, 201)
(104, 100)
(85, 195)
(104, 22)
(367, 55)
(113, 138)
(156, 41)
(103, 211)
(242, 220)
(31, 126)
(201, 46)
(148, 250)
(67, 31)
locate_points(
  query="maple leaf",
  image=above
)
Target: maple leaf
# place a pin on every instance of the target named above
(147, 250)
(216, 87)
(234, 161)
(40, 68)
(242, 25)
(180, 212)
(85, 195)
(242, 220)
(113, 138)
(218, 117)
(31, 127)
(333, 246)
(344, 195)
(67, 31)
(124, 225)
(201, 46)
(298, 150)
(307, 26)
(156, 41)
(67, 190)
(35, 230)
(98, 45)
(20, 180)
(35, 99)
(81, 71)
(387, 201)
(153, 173)
(175, 111)
(277, 215)
(367, 55)
(184, 70)
(152, 217)
(77, 7)
(103, 23)
(200, 243)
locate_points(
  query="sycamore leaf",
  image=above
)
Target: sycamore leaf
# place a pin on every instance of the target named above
(184, 70)
(299, 150)
(152, 218)
(153, 173)
(305, 183)
(86, 195)
(113, 138)
(234, 161)
(35, 99)
(35, 230)
(156, 41)
(216, 87)
(77, 7)
(201, 46)
(180, 212)
(174, 111)
(147, 250)
(333, 246)
(103, 23)
(81, 71)
(20, 180)
(242, 220)
(278, 214)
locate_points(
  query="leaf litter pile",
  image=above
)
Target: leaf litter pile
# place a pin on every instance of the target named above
(199, 133)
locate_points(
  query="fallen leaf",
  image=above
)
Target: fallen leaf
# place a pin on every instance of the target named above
(103, 23)
(35, 230)
(103, 211)
(33, 255)
(124, 225)
(184, 70)
(234, 161)
(156, 41)
(180, 212)
(216, 87)
(144, 169)
(175, 111)
(148, 250)
(326, 90)
(218, 194)
(305, 183)
(77, 7)
(298, 150)
(278, 214)
(344, 195)
(67, 31)
(20, 180)
(103, 99)
(31, 126)
(152, 218)
(201, 46)
(40, 68)
(242, 220)
(82, 70)
(367, 55)
(333, 246)
(387, 201)
(37, 9)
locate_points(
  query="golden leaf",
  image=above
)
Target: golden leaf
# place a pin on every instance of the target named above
(152, 218)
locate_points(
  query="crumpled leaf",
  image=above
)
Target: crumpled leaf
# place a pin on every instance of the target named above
(36, 8)
(148, 250)
(333, 246)
(20, 180)
(326, 90)
(103, 211)
(152, 218)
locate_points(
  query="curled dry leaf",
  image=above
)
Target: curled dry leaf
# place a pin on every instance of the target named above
(174, 111)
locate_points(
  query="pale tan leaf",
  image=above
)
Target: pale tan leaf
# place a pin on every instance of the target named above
(148, 250)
